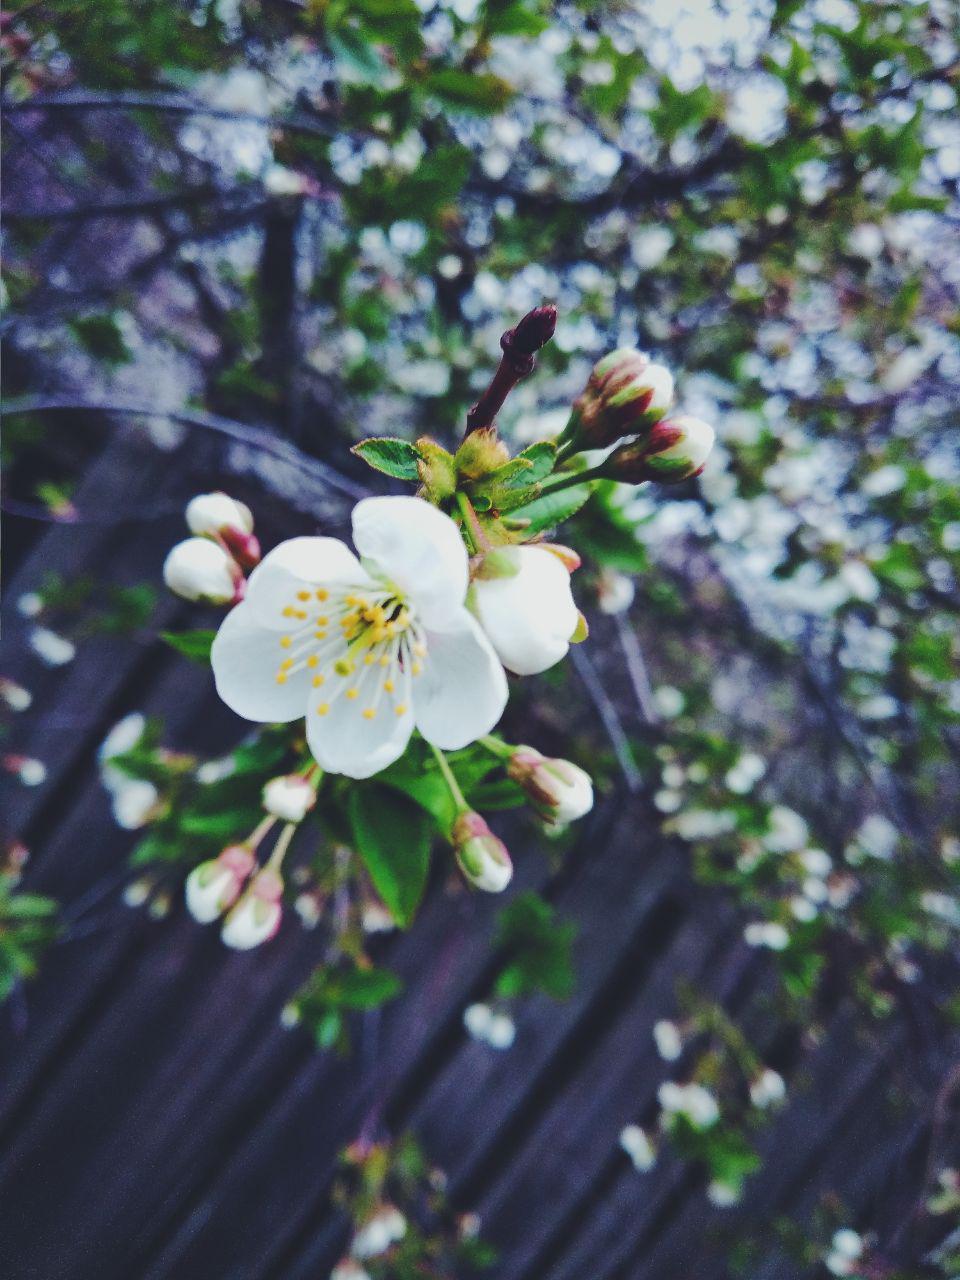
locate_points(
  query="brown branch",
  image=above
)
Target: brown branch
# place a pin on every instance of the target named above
(519, 346)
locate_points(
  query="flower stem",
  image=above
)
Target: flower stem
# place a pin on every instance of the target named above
(276, 858)
(450, 780)
(569, 479)
(259, 831)
(473, 533)
(502, 750)
(519, 346)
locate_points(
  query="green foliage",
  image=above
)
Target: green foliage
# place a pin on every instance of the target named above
(538, 945)
(396, 458)
(393, 836)
(194, 645)
(28, 925)
(334, 991)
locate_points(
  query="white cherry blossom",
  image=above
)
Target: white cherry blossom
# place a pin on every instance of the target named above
(366, 649)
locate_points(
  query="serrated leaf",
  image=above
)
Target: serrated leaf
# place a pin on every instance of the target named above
(551, 509)
(194, 645)
(392, 836)
(392, 456)
(467, 90)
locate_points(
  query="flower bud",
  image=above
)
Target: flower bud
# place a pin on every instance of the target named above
(289, 798)
(482, 858)
(198, 569)
(213, 887)
(218, 516)
(674, 450)
(625, 394)
(768, 1088)
(528, 614)
(378, 1233)
(256, 917)
(561, 790)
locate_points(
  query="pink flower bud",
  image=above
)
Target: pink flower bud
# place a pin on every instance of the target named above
(673, 451)
(213, 887)
(561, 790)
(227, 521)
(625, 394)
(482, 858)
(256, 917)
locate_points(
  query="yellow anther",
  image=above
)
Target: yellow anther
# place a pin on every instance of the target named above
(318, 681)
(343, 666)
(320, 635)
(289, 612)
(323, 594)
(368, 659)
(353, 694)
(322, 620)
(401, 709)
(286, 664)
(388, 685)
(285, 642)
(323, 708)
(391, 628)
(368, 713)
(420, 650)
(281, 677)
(416, 669)
(384, 661)
(313, 660)
(303, 595)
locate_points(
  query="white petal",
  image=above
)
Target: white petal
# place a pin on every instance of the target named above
(300, 564)
(342, 740)
(531, 616)
(417, 547)
(462, 691)
(246, 658)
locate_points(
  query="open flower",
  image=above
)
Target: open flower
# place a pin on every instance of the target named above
(366, 649)
(527, 608)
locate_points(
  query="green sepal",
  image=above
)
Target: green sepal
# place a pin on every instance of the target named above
(394, 457)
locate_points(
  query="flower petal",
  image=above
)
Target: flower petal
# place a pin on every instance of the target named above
(300, 564)
(342, 739)
(246, 658)
(462, 691)
(530, 616)
(418, 548)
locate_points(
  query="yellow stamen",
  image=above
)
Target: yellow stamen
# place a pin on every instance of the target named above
(388, 685)
(353, 694)
(318, 681)
(369, 713)
(319, 635)
(323, 594)
(368, 659)
(323, 708)
(343, 666)
(303, 595)
(281, 678)
(313, 660)
(322, 620)
(384, 661)
(286, 664)
(285, 642)
(400, 709)
(416, 669)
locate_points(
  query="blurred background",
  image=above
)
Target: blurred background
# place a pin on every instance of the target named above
(239, 236)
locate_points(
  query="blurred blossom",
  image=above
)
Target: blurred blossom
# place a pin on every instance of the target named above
(747, 771)
(638, 1147)
(668, 701)
(766, 934)
(667, 1038)
(54, 649)
(723, 1195)
(786, 830)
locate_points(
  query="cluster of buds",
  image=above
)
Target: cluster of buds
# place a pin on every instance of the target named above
(481, 856)
(629, 395)
(233, 885)
(210, 565)
(560, 791)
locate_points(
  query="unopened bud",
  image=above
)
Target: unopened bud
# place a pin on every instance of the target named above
(569, 558)
(213, 887)
(625, 394)
(256, 917)
(289, 798)
(218, 516)
(482, 858)
(198, 569)
(561, 790)
(673, 451)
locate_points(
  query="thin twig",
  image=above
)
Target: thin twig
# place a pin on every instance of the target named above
(519, 346)
(609, 717)
(637, 670)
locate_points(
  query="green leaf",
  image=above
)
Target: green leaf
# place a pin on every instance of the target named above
(467, 90)
(392, 835)
(551, 509)
(351, 988)
(394, 457)
(539, 944)
(194, 645)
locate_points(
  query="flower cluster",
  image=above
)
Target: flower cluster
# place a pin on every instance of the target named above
(209, 565)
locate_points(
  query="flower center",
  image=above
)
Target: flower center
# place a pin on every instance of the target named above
(365, 644)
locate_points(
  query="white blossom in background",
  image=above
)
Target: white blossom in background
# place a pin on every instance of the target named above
(668, 701)
(30, 604)
(30, 771)
(528, 611)
(15, 695)
(723, 1195)
(844, 1253)
(489, 1027)
(349, 1269)
(768, 1088)
(787, 831)
(134, 803)
(668, 1040)
(693, 1100)
(615, 592)
(876, 837)
(366, 651)
(378, 1233)
(637, 1145)
(55, 650)
(767, 933)
(375, 918)
(745, 773)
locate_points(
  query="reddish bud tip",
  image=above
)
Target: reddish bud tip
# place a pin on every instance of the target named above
(535, 330)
